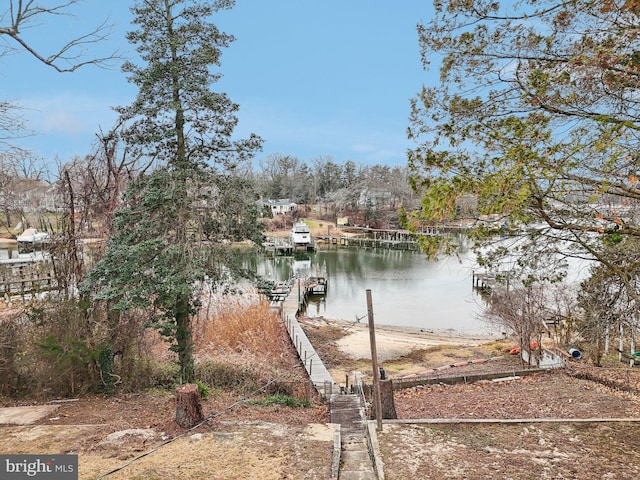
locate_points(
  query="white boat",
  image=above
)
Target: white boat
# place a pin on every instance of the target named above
(32, 236)
(300, 235)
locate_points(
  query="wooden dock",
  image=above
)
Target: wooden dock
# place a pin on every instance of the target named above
(486, 282)
(363, 242)
(25, 278)
(392, 239)
(282, 246)
(289, 309)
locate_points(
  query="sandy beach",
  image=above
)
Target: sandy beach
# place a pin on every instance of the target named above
(393, 342)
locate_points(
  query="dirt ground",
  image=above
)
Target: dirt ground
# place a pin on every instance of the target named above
(246, 441)
(135, 436)
(545, 445)
(593, 449)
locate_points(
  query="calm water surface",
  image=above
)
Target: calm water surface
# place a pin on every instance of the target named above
(406, 289)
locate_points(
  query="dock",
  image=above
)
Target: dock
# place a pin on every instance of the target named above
(282, 246)
(363, 242)
(26, 277)
(292, 303)
(485, 282)
(353, 444)
(392, 239)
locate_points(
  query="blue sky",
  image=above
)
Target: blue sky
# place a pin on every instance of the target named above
(313, 78)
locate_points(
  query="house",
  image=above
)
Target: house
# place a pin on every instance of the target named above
(31, 196)
(279, 206)
(376, 198)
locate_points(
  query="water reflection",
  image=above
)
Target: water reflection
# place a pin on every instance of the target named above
(407, 290)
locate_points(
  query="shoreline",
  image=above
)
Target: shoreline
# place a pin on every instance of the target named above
(393, 342)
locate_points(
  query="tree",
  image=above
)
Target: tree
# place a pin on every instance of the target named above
(19, 16)
(536, 115)
(605, 299)
(519, 310)
(16, 19)
(12, 126)
(528, 310)
(157, 258)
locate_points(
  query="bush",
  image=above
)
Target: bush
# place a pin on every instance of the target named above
(281, 399)
(9, 348)
(227, 376)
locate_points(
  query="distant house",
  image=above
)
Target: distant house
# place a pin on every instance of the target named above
(32, 196)
(279, 206)
(375, 198)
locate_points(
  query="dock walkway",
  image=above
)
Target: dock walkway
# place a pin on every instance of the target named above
(318, 373)
(353, 460)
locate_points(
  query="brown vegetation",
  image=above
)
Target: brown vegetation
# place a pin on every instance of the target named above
(242, 346)
(257, 411)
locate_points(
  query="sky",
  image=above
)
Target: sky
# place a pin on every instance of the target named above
(329, 78)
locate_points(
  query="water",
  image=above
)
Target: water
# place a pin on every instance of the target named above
(406, 289)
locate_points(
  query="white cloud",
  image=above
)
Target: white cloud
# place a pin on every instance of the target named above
(69, 113)
(62, 122)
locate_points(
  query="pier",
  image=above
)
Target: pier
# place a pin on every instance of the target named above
(392, 239)
(290, 306)
(362, 242)
(283, 246)
(26, 277)
(353, 438)
(488, 281)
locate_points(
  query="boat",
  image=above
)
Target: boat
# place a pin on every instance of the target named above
(300, 235)
(32, 236)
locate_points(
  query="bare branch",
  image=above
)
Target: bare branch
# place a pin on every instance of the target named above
(74, 54)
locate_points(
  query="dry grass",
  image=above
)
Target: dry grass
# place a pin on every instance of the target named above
(240, 343)
(238, 327)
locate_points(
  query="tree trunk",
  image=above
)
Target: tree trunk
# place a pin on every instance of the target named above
(184, 340)
(188, 405)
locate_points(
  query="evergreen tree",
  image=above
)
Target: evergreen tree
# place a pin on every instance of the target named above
(536, 117)
(167, 244)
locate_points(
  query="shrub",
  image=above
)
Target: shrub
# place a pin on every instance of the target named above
(281, 399)
(227, 376)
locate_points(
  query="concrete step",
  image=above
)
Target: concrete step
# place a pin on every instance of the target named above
(356, 475)
(357, 460)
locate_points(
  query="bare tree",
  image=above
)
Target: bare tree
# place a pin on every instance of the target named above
(20, 15)
(522, 311)
(11, 126)
(98, 180)
(605, 297)
(20, 173)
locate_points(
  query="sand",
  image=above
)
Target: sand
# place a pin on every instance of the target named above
(393, 342)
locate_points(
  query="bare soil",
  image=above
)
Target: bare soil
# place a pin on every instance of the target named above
(530, 449)
(245, 441)
(535, 448)
(135, 436)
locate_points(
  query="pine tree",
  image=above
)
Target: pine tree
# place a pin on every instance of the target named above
(167, 241)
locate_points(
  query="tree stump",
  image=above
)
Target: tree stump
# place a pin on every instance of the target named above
(188, 405)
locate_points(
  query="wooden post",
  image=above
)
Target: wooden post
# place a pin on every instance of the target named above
(388, 406)
(188, 405)
(620, 343)
(374, 362)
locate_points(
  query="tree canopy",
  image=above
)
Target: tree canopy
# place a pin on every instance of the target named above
(535, 115)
